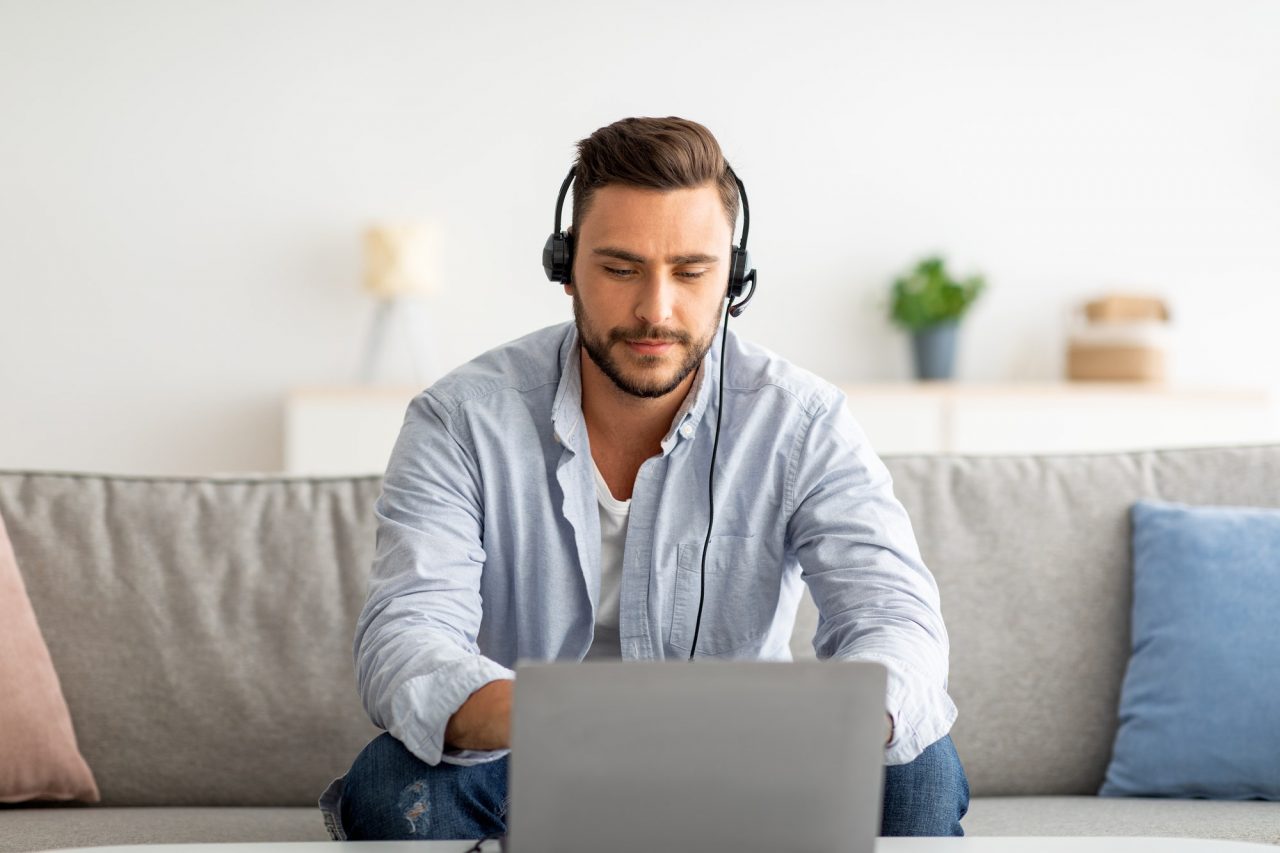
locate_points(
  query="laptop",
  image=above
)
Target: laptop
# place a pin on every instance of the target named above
(740, 757)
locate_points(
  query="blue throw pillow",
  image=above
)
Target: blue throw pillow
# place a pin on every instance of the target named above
(1200, 705)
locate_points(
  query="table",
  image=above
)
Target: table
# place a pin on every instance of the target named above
(971, 844)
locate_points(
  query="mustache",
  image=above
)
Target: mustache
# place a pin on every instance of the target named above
(649, 333)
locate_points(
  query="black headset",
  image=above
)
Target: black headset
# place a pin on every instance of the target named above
(557, 261)
(557, 254)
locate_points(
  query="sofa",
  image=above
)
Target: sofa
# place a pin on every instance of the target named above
(201, 629)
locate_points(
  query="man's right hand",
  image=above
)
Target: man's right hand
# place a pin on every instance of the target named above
(484, 720)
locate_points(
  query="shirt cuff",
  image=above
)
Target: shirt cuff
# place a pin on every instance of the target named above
(922, 712)
(467, 757)
(422, 706)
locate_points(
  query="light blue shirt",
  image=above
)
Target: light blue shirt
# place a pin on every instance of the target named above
(488, 540)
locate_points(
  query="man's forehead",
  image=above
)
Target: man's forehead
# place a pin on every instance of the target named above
(617, 211)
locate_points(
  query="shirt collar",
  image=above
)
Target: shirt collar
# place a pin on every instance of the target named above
(566, 411)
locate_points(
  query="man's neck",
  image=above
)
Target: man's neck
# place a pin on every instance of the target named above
(624, 430)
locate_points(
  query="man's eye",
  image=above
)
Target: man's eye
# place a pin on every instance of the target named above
(619, 272)
(698, 274)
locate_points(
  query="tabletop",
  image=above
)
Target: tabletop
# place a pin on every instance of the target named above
(971, 844)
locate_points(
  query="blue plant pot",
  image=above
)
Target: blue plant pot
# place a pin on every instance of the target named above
(935, 350)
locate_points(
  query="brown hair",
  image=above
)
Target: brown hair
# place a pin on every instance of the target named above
(657, 153)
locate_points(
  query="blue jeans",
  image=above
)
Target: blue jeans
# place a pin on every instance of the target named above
(390, 794)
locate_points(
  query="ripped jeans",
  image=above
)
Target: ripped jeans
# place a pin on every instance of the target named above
(389, 794)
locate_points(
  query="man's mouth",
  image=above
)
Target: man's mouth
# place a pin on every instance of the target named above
(650, 347)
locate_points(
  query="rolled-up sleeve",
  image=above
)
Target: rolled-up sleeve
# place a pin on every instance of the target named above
(416, 656)
(876, 599)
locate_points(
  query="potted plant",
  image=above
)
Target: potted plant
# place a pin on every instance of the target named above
(928, 302)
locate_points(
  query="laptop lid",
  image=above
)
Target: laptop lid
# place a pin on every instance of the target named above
(750, 757)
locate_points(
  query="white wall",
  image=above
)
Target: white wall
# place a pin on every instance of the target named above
(182, 185)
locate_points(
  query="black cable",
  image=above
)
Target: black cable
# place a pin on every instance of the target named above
(715, 445)
(711, 481)
(479, 845)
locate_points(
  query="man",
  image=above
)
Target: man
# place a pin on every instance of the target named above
(548, 500)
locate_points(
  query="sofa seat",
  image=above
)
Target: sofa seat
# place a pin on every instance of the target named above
(46, 828)
(1252, 820)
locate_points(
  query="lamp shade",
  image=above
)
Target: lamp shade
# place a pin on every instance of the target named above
(399, 259)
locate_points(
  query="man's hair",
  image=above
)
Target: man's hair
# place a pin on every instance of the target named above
(655, 153)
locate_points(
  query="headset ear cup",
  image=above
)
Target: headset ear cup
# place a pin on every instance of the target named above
(738, 267)
(557, 257)
(549, 257)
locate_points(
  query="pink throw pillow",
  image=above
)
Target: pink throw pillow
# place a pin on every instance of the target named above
(39, 759)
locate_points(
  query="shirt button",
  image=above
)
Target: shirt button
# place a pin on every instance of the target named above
(687, 430)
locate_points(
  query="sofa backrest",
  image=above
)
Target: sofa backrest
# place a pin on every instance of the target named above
(202, 627)
(1033, 561)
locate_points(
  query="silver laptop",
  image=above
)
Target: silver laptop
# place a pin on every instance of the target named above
(740, 757)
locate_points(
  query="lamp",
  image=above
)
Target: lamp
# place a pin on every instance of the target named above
(399, 270)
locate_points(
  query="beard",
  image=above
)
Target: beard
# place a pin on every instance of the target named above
(647, 386)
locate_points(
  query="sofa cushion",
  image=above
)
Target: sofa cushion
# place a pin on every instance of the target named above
(38, 755)
(226, 608)
(1201, 692)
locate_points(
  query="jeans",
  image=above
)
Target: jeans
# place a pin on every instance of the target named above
(390, 794)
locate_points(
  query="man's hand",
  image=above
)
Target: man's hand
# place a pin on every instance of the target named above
(889, 737)
(484, 720)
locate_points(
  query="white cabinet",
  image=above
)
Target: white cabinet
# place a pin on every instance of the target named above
(343, 430)
(352, 430)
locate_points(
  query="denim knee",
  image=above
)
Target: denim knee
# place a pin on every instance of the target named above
(390, 794)
(928, 796)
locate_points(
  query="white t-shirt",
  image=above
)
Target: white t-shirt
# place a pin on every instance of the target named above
(613, 536)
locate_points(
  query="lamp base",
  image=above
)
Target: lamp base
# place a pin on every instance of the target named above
(413, 322)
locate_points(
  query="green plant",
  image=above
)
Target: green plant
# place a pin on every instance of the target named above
(928, 295)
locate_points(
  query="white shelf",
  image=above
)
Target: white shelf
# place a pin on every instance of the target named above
(1066, 417)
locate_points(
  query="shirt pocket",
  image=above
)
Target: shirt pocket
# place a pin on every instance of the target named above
(739, 603)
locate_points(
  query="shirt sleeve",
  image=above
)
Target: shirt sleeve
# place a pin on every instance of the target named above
(416, 656)
(876, 599)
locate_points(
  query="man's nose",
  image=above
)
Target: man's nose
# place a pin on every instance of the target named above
(657, 298)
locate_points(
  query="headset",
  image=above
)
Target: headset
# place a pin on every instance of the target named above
(557, 262)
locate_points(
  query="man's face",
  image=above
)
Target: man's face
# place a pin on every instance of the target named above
(649, 279)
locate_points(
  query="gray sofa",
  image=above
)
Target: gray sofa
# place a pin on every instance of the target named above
(202, 632)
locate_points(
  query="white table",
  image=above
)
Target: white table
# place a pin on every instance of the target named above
(972, 844)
